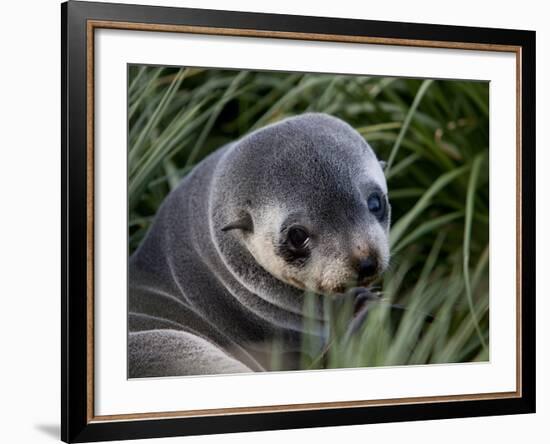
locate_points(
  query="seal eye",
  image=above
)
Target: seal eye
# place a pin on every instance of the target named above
(375, 204)
(298, 237)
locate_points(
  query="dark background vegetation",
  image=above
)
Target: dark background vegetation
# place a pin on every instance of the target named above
(434, 134)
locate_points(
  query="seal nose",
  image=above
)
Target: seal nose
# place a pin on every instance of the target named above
(367, 267)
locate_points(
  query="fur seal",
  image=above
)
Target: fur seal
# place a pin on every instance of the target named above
(296, 207)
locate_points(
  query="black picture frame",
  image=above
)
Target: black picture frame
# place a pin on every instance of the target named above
(77, 425)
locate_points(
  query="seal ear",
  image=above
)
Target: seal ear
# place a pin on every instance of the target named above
(243, 223)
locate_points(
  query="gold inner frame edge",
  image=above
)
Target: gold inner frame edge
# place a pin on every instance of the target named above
(235, 32)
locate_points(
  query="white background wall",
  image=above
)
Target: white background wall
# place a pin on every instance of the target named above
(30, 219)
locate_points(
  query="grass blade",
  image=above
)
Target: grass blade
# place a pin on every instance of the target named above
(403, 224)
(421, 91)
(476, 166)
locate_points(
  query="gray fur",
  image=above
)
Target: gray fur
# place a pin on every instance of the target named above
(209, 288)
(178, 353)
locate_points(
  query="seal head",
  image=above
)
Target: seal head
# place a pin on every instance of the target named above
(307, 198)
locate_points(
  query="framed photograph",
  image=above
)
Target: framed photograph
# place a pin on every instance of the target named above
(277, 221)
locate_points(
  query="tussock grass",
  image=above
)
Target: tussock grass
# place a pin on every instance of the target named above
(434, 135)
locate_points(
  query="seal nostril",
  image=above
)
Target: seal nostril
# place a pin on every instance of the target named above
(367, 267)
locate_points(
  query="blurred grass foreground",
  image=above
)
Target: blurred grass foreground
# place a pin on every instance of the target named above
(434, 136)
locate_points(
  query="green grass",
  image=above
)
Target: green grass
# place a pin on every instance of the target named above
(434, 135)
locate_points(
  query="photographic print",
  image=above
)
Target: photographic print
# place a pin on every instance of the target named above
(275, 221)
(304, 221)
